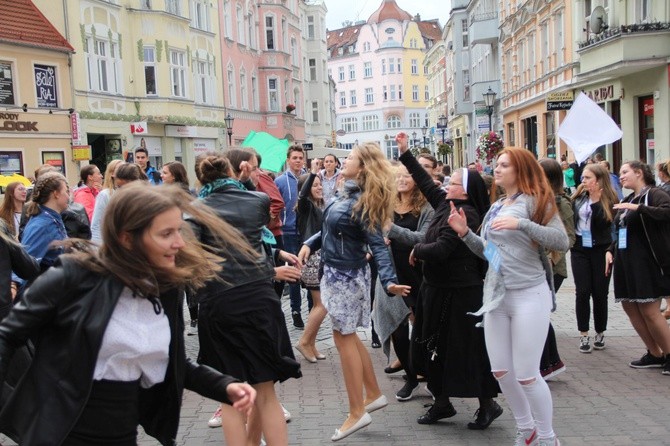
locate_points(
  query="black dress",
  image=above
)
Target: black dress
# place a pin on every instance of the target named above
(407, 274)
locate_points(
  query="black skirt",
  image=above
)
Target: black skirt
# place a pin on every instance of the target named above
(242, 333)
(110, 417)
(450, 346)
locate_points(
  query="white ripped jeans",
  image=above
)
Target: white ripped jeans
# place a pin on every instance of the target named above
(515, 335)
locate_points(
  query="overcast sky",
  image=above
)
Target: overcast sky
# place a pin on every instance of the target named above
(341, 10)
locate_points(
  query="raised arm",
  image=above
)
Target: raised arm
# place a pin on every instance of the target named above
(435, 195)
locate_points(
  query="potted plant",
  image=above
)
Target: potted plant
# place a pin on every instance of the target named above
(489, 145)
(290, 108)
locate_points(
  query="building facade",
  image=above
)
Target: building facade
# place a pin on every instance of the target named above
(381, 83)
(35, 93)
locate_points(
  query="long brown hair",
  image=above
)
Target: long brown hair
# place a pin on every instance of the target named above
(608, 196)
(132, 210)
(7, 207)
(530, 180)
(377, 183)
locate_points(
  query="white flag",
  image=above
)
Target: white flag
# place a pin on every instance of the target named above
(587, 127)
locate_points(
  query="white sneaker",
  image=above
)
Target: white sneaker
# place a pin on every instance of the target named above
(526, 437)
(215, 421)
(287, 414)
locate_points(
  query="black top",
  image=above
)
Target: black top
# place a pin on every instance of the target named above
(407, 274)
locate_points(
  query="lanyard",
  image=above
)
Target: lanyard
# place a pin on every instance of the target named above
(495, 210)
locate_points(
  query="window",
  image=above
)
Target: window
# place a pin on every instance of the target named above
(399, 65)
(383, 66)
(415, 67)
(294, 53)
(315, 111)
(273, 95)
(244, 99)
(426, 93)
(241, 29)
(393, 122)
(412, 43)
(521, 60)
(310, 27)
(254, 92)
(414, 120)
(558, 39)
(312, 69)
(251, 25)
(352, 72)
(391, 65)
(270, 32)
(204, 82)
(343, 99)
(352, 98)
(544, 47)
(400, 92)
(466, 85)
(103, 65)
(370, 122)
(384, 93)
(340, 74)
(367, 69)
(464, 30)
(510, 134)
(415, 93)
(232, 97)
(200, 14)
(7, 83)
(642, 11)
(173, 7)
(425, 70)
(369, 96)
(284, 32)
(149, 70)
(531, 56)
(392, 91)
(350, 125)
(366, 47)
(227, 20)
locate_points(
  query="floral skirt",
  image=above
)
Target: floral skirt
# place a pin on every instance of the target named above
(345, 294)
(310, 272)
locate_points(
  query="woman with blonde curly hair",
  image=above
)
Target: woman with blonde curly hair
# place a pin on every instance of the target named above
(352, 222)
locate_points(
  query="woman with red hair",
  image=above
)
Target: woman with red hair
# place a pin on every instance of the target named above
(518, 288)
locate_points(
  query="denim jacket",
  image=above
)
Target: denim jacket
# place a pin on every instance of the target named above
(41, 230)
(344, 238)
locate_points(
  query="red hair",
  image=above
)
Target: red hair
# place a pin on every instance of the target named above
(530, 180)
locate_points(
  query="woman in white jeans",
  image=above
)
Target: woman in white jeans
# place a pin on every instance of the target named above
(518, 288)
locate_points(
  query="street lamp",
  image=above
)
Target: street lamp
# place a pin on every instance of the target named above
(442, 125)
(489, 100)
(414, 140)
(229, 127)
(424, 130)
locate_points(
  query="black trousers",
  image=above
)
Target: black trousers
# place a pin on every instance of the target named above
(591, 283)
(550, 356)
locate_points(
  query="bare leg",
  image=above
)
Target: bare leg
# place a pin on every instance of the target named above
(270, 415)
(370, 384)
(639, 323)
(656, 324)
(352, 370)
(308, 339)
(254, 429)
(233, 424)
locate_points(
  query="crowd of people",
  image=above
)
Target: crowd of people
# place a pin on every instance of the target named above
(456, 272)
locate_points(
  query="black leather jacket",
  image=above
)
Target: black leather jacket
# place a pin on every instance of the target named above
(13, 258)
(601, 229)
(66, 310)
(248, 212)
(344, 239)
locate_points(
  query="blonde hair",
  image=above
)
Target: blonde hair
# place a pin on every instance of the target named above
(108, 181)
(377, 183)
(416, 199)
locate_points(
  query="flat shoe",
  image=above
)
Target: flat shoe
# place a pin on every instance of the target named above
(311, 359)
(320, 356)
(390, 369)
(377, 404)
(364, 421)
(434, 414)
(484, 418)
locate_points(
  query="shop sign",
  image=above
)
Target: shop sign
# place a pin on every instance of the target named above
(601, 94)
(81, 153)
(648, 107)
(45, 86)
(181, 131)
(560, 101)
(75, 129)
(10, 122)
(139, 128)
(6, 83)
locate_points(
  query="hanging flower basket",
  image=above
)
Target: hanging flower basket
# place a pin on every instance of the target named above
(489, 145)
(290, 108)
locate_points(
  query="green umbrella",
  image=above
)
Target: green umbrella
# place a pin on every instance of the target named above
(271, 149)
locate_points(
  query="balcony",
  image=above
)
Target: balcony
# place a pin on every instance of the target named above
(483, 28)
(625, 49)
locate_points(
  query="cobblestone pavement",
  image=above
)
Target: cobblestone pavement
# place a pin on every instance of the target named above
(599, 400)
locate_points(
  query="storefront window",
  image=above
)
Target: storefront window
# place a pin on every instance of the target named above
(11, 163)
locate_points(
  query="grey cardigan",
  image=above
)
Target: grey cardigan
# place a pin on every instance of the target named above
(390, 311)
(551, 236)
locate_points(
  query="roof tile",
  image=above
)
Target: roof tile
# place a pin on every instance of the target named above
(22, 22)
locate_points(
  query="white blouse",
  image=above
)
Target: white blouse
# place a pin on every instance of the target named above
(135, 344)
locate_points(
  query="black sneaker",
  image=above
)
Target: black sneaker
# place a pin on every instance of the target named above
(485, 416)
(435, 414)
(297, 320)
(405, 394)
(599, 341)
(666, 367)
(648, 361)
(585, 344)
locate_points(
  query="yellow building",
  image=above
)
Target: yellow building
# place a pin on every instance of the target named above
(35, 92)
(537, 61)
(145, 74)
